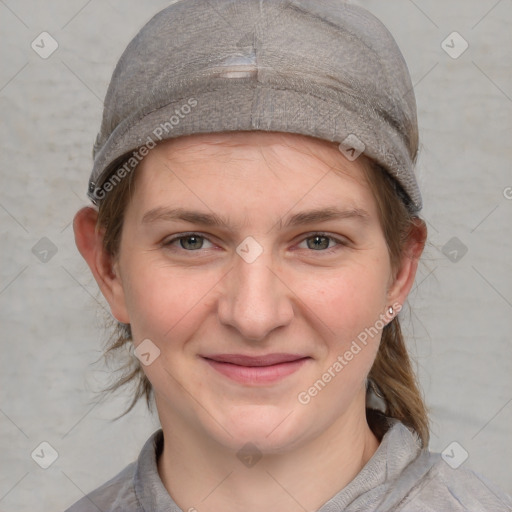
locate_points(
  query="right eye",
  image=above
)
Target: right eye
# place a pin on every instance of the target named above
(188, 242)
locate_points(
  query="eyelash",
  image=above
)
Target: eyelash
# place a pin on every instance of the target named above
(182, 236)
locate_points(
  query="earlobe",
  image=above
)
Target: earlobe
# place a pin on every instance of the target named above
(89, 241)
(404, 279)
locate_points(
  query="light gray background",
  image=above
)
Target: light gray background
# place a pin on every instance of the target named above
(460, 318)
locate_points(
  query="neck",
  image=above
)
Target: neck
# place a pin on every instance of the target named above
(201, 474)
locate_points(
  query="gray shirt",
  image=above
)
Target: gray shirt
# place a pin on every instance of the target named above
(399, 477)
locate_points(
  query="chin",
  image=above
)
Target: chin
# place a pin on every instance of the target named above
(269, 428)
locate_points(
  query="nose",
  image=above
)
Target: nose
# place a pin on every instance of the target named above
(255, 300)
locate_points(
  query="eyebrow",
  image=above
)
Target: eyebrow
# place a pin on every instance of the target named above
(211, 219)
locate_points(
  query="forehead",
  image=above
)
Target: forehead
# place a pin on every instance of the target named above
(254, 166)
(225, 145)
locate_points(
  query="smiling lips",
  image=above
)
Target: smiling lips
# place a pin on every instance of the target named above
(256, 369)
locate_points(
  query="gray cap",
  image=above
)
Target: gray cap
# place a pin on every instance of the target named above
(322, 68)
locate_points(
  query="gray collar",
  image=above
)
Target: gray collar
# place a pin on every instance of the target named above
(398, 457)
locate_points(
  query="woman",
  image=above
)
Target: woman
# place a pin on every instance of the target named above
(255, 236)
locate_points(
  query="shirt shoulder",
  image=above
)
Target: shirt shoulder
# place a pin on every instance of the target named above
(116, 495)
(138, 488)
(457, 490)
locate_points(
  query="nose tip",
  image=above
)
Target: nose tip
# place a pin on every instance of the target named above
(255, 302)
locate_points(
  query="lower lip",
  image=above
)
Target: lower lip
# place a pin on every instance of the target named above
(256, 374)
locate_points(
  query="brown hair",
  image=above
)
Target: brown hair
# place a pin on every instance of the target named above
(391, 374)
(110, 221)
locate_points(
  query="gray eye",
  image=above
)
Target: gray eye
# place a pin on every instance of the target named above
(318, 242)
(192, 242)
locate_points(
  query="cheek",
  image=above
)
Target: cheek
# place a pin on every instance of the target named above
(348, 300)
(351, 303)
(163, 302)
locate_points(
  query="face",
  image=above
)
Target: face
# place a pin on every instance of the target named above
(256, 265)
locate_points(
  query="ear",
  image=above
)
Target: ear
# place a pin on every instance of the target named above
(89, 241)
(406, 273)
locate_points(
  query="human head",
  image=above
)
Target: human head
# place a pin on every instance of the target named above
(391, 371)
(195, 304)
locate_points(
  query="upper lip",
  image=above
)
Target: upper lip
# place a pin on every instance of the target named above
(263, 360)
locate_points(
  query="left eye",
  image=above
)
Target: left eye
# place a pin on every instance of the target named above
(319, 242)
